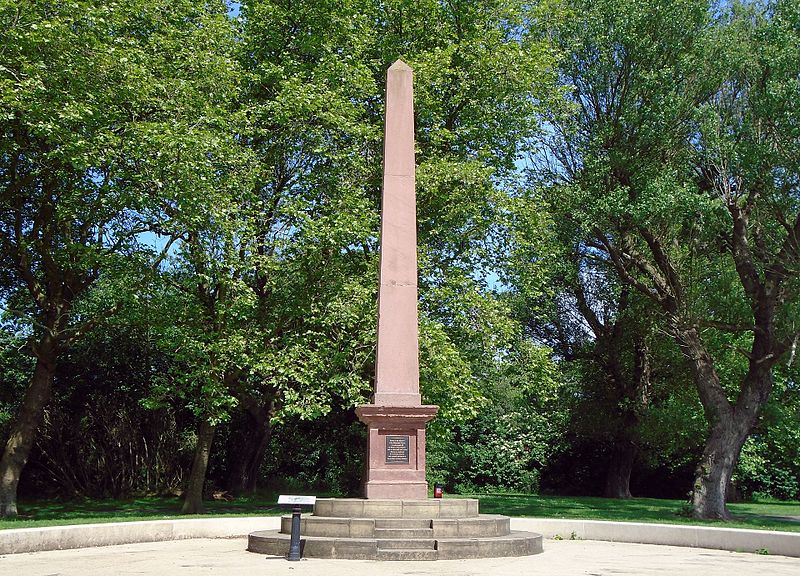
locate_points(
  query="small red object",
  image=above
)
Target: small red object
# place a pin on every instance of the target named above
(437, 491)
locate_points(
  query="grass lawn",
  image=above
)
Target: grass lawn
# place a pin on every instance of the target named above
(760, 515)
(85, 511)
(773, 515)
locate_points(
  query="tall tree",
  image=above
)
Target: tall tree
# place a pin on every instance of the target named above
(678, 163)
(616, 375)
(747, 160)
(108, 125)
(314, 125)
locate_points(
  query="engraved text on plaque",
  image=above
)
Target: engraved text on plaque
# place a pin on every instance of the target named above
(397, 449)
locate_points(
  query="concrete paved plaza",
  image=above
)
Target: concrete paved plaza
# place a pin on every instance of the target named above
(227, 557)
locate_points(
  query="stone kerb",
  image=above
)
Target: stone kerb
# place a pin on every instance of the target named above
(22, 540)
(733, 539)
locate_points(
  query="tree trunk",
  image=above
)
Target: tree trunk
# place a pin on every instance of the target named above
(713, 474)
(631, 394)
(250, 479)
(23, 431)
(620, 465)
(730, 425)
(632, 401)
(248, 447)
(238, 449)
(729, 431)
(193, 499)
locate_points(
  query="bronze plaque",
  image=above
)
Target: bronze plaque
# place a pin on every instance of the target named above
(397, 449)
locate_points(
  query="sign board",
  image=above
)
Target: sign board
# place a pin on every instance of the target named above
(397, 449)
(296, 500)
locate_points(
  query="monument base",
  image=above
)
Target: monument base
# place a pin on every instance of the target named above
(395, 450)
(429, 529)
(374, 489)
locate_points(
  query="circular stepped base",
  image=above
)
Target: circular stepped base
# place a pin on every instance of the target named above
(398, 530)
(481, 526)
(275, 543)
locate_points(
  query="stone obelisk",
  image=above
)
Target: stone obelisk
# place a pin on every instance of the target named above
(396, 418)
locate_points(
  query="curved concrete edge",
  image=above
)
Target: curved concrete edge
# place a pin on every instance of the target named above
(733, 539)
(19, 540)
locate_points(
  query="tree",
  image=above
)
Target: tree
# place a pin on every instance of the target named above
(747, 160)
(306, 219)
(129, 116)
(314, 123)
(618, 382)
(208, 313)
(678, 169)
(107, 124)
(599, 329)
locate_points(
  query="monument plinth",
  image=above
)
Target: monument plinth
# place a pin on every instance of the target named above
(396, 418)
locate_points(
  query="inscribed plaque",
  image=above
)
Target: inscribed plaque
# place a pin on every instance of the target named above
(397, 449)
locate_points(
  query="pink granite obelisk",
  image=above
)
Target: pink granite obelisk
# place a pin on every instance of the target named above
(396, 418)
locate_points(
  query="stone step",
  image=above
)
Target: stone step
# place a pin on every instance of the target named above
(406, 543)
(403, 533)
(378, 508)
(515, 544)
(331, 527)
(400, 554)
(484, 526)
(419, 524)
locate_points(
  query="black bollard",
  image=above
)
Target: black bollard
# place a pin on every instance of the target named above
(294, 543)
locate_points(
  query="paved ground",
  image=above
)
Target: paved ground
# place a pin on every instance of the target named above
(229, 558)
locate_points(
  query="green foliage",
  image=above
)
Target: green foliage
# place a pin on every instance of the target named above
(307, 456)
(502, 452)
(112, 124)
(513, 437)
(759, 478)
(97, 439)
(203, 193)
(679, 413)
(15, 369)
(769, 466)
(663, 169)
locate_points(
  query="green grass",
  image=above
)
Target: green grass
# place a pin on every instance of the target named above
(87, 511)
(758, 515)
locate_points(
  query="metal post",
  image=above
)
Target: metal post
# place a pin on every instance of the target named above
(294, 543)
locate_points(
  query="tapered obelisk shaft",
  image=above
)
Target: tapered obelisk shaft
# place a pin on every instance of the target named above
(396, 419)
(397, 362)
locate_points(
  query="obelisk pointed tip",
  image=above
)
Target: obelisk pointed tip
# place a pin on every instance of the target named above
(399, 65)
